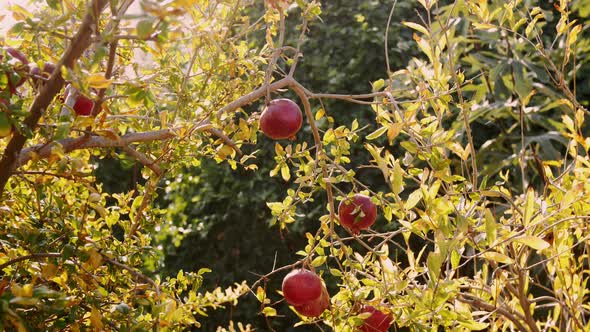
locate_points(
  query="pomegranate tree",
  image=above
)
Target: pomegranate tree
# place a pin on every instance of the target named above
(281, 119)
(357, 213)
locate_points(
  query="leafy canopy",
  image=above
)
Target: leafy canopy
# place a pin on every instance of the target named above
(480, 143)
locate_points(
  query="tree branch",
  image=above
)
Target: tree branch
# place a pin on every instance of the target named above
(54, 84)
(147, 162)
(254, 95)
(482, 305)
(27, 257)
(42, 151)
(135, 273)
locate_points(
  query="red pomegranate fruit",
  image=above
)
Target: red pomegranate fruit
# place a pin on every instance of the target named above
(357, 213)
(377, 322)
(316, 307)
(281, 119)
(83, 106)
(301, 287)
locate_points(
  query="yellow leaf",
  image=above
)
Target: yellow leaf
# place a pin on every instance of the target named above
(269, 311)
(95, 258)
(320, 113)
(416, 27)
(320, 260)
(164, 119)
(19, 13)
(534, 242)
(260, 294)
(529, 206)
(98, 81)
(24, 291)
(224, 151)
(413, 199)
(285, 173)
(498, 257)
(377, 133)
(483, 26)
(48, 270)
(573, 36)
(393, 131)
(96, 319)
(491, 227)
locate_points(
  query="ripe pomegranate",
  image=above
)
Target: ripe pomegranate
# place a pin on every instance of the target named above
(281, 119)
(357, 213)
(317, 307)
(301, 287)
(83, 106)
(377, 322)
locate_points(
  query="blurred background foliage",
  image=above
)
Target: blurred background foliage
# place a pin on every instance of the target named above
(217, 218)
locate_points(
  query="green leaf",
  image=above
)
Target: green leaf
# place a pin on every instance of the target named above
(144, 29)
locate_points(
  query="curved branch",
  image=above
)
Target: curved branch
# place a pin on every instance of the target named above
(70, 144)
(254, 95)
